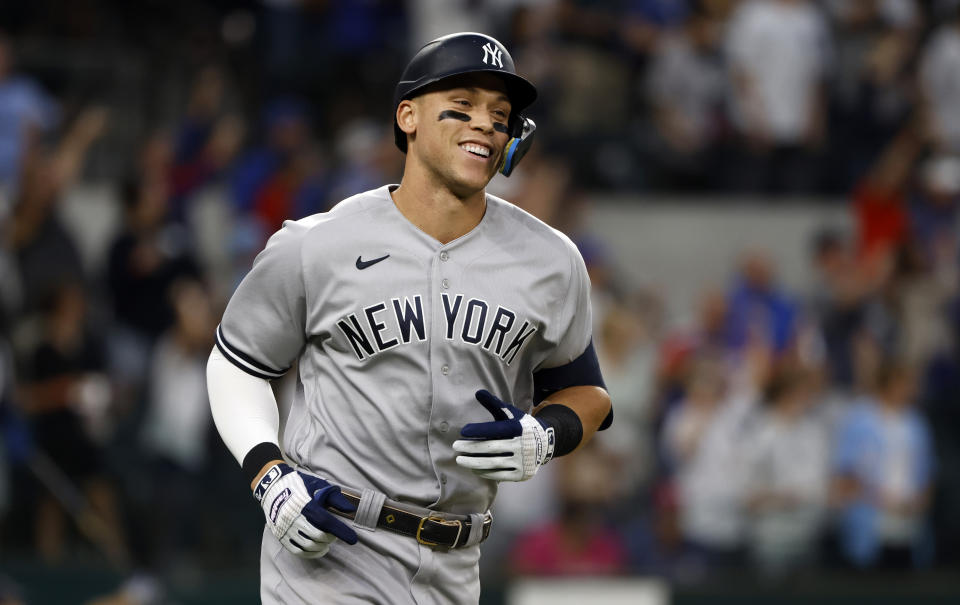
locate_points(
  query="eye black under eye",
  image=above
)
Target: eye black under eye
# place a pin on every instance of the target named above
(499, 127)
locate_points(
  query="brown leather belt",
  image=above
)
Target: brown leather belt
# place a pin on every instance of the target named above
(429, 530)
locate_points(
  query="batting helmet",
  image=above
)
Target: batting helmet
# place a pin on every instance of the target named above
(469, 52)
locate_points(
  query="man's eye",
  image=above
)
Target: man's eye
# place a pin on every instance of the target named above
(500, 114)
(463, 102)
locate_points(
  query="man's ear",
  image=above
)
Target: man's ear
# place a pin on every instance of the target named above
(407, 115)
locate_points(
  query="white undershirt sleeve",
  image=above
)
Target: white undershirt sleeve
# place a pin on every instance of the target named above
(244, 407)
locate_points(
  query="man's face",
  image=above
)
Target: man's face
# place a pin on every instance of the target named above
(461, 130)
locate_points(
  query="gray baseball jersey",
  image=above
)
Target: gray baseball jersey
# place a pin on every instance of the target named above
(394, 332)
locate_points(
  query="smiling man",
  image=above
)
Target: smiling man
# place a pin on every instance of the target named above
(442, 343)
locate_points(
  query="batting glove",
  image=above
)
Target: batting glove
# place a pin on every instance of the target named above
(511, 448)
(294, 505)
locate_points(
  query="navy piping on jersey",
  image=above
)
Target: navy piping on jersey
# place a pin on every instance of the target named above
(245, 362)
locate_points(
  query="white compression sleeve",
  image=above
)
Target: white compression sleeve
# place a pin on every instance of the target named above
(243, 406)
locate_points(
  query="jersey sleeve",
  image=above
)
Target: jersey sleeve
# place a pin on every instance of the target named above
(572, 327)
(263, 327)
(573, 360)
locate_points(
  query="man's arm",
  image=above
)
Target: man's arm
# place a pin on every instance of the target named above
(246, 415)
(591, 404)
(243, 406)
(294, 504)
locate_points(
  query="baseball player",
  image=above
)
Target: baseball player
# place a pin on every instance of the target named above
(442, 342)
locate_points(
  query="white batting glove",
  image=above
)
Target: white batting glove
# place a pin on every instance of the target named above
(294, 505)
(511, 448)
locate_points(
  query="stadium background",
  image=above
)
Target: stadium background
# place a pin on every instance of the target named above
(765, 194)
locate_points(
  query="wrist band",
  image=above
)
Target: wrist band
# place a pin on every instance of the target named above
(257, 457)
(566, 426)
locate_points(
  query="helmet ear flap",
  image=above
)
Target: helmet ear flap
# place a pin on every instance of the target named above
(521, 132)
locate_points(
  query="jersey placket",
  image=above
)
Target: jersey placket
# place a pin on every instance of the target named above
(441, 360)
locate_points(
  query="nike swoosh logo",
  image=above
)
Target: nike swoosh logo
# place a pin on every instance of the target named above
(363, 264)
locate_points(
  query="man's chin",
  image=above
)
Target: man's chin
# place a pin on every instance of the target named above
(470, 183)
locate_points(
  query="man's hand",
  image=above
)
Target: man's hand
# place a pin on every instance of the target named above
(511, 448)
(294, 505)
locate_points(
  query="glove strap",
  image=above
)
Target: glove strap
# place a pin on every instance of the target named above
(550, 442)
(273, 474)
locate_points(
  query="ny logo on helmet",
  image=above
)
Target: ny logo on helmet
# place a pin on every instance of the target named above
(494, 53)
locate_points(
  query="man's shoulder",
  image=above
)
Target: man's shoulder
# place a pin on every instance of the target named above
(355, 208)
(552, 240)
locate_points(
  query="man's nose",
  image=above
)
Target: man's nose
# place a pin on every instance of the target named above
(481, 121)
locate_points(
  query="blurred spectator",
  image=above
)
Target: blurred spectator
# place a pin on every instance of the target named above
(177, 424)
(593, 95)
(759, 309)
(940, 84)
(177, 421)
(206, 142)
(679, 350)
(787, 465)
(627, 353)
(778, 52)
(155, 159)
(356, 45)
(146, 258)
(578, 542)
(26, 113)
(840, 304)
(879, 203)
(366, 157)
(921, 296)
(685, 85)
(66, 395)
(45, 251)
(284, 177)
(934, 214)
(883, 473)
(701, 438)
(874, 84)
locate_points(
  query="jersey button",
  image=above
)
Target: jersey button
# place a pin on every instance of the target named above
(445, 283)
(444, 256)
(444, 426)
(445, 370)
(443, 479)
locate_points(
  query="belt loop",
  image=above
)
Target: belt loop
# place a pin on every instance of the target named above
(368, 510)
(476, 529)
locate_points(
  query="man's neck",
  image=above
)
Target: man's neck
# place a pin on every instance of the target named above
(436, 210)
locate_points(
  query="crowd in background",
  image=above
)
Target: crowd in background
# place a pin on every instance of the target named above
(782, 431)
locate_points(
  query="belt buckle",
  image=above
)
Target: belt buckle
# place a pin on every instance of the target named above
(441, 521)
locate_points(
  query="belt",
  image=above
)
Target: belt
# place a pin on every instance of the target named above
(430, 529)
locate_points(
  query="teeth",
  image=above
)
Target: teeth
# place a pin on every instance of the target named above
(477, 149)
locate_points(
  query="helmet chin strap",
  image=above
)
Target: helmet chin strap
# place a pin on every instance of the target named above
(517, 147)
